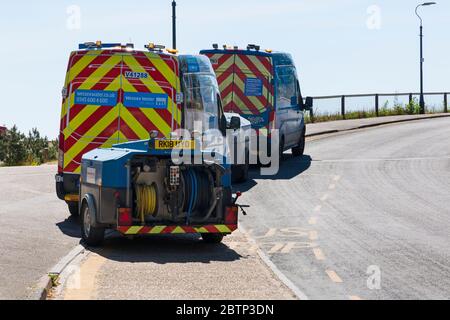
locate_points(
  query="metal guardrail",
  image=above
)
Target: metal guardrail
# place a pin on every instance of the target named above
(377, 96)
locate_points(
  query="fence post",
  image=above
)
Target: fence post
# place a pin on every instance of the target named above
(343, 107)
(311, 114)
(445, 103)
(377, 105)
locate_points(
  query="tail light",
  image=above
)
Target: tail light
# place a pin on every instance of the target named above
(231, 215)
(125, 217)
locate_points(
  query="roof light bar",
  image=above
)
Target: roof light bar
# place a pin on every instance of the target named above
(155, 47)
(253, 47)
(100, 45)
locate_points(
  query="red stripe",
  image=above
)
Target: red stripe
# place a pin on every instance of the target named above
(257, 73)
(95, 143)
(266, 62)
(88, 71)
(145, 230)
(189, 230)
(86, 125)
(212, 229)
(224, 76)
(168, 230)
(126, 130)
(253, 109)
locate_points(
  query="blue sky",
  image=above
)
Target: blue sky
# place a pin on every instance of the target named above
(340, 46)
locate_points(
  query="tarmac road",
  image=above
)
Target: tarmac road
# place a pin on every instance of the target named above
(35, 228)
(363, 215)
(362, 210)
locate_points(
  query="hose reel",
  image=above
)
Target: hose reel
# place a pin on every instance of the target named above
(146, 200)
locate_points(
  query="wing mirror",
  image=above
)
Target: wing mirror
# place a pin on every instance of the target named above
(309, 104)
(235, 123)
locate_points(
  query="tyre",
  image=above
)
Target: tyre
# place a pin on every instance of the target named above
(92, 236)
(300, 149)
(212, 237)
(73, 208)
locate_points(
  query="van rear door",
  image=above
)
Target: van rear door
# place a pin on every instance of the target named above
(245, 83)
(92, 113)
(253, 90)
(149, 87)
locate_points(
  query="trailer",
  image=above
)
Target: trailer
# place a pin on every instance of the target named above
(137, 189)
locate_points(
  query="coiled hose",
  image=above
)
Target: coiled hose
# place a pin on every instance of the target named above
(146, 200)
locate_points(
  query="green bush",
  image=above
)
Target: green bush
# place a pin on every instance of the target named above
(18, 149)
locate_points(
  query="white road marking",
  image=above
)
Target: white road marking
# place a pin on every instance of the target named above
(318, 208)
(334, 276)
(324, 197)
(313, 235)
(312, 221)
(319, 254)
(332, 186)
(288, 247)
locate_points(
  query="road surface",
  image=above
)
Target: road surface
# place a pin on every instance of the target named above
(35, 229)
(363, 215)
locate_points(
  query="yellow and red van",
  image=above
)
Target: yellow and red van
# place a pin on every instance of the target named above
(113, 94)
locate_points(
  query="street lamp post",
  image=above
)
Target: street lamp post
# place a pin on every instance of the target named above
(422, 99)
(174, 24)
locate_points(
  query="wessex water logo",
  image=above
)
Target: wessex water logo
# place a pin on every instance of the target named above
(136, 75)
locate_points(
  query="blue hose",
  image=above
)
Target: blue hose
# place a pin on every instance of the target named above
(191, 200)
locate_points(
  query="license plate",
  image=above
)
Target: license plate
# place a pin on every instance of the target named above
(175, 144)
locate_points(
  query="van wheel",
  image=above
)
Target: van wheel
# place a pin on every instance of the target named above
(212, 237)
(300, 149)
(92, 236)
(73, 208)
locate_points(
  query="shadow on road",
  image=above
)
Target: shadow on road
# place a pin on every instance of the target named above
(163, 249)
(289, 169)
(70, 227)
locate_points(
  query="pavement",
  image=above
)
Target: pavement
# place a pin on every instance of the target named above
(171, 268)
(321, 128)
(363, 215)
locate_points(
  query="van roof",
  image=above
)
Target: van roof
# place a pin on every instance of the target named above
(238, 51)
(279, 58)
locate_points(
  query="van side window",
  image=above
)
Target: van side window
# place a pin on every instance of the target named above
(286, 86)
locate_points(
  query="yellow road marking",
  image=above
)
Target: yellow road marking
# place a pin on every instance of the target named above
(354, 298)
(319, 254)
(333, 276)
(270, 233)
(313, 235)
(288, 247)
(277, 247)
(312, 221)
